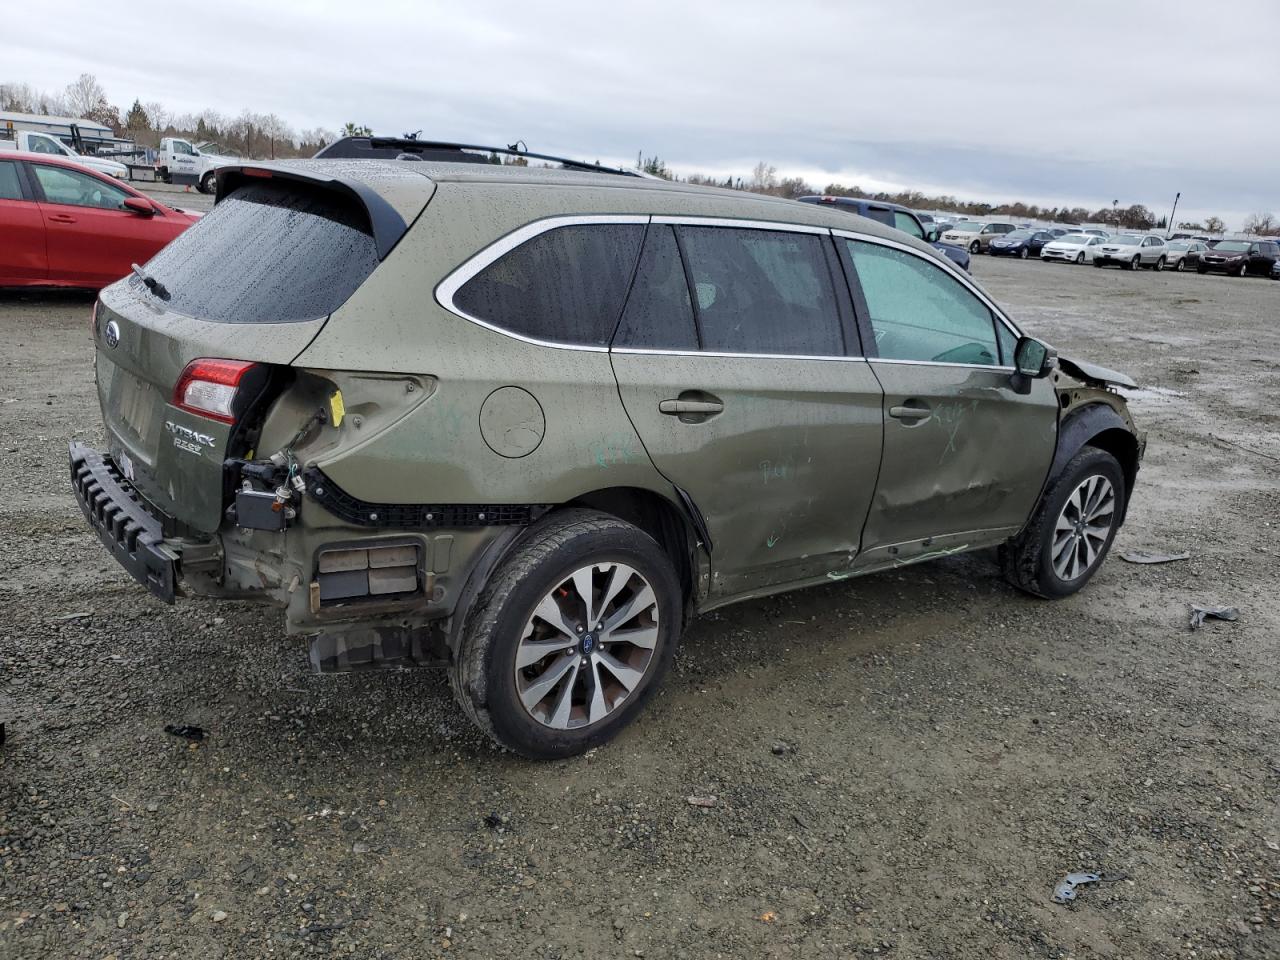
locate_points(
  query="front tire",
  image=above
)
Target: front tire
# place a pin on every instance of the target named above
(1180, 266)
(207, 183)
(975, 247)
(1071, 530)
(570, 637)
(1023, 254)
(1243, 271)
(1080, 259)
(1159, 265)
(1134, 264)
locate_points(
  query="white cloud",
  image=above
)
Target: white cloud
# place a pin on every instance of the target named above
(1086, 103)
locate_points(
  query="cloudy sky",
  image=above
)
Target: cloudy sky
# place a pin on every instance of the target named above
(1092, 102)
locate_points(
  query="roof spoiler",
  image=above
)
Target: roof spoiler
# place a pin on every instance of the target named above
(410, 147)
(385, 223)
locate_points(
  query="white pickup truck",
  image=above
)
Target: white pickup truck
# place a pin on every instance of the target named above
(180, 162)
(35, 142)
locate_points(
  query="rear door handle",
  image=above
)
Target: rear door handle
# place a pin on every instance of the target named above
(704, 408)
(910, 412)
(61, 218)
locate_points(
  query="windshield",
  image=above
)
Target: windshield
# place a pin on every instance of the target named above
(1179, 245)
(1126, 240)
(1074, 238)
(1018, 235)
(967, 227)
(1231, 246)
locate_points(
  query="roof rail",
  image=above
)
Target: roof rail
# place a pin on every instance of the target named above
(410, 147)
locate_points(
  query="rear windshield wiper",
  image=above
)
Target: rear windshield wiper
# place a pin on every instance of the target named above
(151, 283)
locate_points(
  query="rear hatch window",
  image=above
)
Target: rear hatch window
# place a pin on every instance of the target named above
(269, 253)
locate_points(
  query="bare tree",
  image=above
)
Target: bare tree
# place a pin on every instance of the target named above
(277, 132)
(764, 177)
(85, 95)
(159, 115)
(1260, 224)
(1214, 225)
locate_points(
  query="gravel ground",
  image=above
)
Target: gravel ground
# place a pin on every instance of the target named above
(903, 765)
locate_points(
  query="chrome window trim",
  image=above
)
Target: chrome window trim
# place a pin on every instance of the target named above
(646, 351)
(946, 263)
(448, 288)
(732, 223)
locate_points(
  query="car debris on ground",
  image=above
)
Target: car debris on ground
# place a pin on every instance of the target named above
(1200, 614)
(1146, 556)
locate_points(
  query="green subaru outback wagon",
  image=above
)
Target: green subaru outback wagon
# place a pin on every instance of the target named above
(527, 423)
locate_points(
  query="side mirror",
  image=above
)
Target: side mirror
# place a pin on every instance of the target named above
(932, 234)
(1033, 359)
(139, 206)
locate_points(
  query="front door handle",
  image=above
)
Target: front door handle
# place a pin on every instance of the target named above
(61, 218)
(910, 412)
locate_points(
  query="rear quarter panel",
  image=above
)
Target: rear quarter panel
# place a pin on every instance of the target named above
(437, 452)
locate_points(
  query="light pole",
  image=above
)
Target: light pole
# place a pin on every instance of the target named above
(1177, 196)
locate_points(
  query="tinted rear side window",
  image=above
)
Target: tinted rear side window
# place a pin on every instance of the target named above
(10, 188)
(762, 291)
(269, 253)
(659, 313)
(566, 285)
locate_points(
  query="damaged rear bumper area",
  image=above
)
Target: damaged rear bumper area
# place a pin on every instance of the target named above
(129, 532)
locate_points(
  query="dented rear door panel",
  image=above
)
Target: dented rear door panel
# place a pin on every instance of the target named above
(783, 475)
(969, 473)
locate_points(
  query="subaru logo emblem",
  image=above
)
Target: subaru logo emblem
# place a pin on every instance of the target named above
(112, 334)
(588, 643)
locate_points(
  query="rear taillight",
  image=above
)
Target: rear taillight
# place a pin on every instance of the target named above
(208, 388)
(93, 320)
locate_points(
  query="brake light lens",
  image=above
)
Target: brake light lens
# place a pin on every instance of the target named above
(208, 388)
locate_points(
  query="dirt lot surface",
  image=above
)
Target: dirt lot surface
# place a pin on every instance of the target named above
(903, 765)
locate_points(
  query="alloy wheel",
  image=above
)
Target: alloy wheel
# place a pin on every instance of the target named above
(1083, 526)
(587, 646)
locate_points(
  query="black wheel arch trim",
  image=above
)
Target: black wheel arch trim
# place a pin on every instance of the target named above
(1088, 423)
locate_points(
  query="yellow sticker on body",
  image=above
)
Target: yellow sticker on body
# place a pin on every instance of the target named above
(336, 410)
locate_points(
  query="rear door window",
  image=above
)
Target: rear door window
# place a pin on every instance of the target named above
(919, 312)
(659, 313)
(269, 253)
(762, 291)
(10, 186)
(566, 285)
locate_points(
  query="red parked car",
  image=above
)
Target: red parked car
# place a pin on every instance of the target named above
(64, 225)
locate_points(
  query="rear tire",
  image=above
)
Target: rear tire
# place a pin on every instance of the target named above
(1072, 529)
(1159, 265)
(572, 693)
(1180, 267)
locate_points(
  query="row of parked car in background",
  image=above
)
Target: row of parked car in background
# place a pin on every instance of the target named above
(1129, 251)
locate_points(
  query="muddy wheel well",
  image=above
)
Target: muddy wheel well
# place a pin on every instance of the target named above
(656, 516)
(1122, 445)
